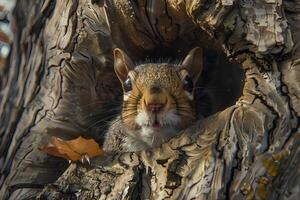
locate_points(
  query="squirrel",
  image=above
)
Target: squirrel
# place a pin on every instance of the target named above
(158, 102)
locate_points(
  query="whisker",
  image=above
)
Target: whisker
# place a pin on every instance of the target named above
(189, 115)
(183, 106)
(184, 110)
(210, 89)
(181, 97)
(96, 122)
(99, 113)
(129, 105)
(100, 102)
(133, 96)
(109, 114)
(127, 116)
(99, 121)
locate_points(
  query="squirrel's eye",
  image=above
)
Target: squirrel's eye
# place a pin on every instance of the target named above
(188, 84)
(127, 85)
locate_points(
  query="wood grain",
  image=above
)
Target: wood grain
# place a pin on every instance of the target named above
(61, 83)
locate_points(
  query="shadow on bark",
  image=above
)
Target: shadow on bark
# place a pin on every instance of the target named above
(61, 82)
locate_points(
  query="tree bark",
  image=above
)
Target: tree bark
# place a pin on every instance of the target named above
(61, 72)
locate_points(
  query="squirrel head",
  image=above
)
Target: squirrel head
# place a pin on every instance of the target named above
(158, 97)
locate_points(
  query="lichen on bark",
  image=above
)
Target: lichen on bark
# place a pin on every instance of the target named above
(249, 150)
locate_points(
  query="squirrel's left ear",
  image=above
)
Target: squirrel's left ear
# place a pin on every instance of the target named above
(193, 63)
(122, 64)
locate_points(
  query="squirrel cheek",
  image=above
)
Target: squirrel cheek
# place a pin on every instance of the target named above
(143, 104)
(189, 95)
(125, 97)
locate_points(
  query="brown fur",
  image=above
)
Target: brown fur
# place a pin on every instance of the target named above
(167, 78)
(159, 84)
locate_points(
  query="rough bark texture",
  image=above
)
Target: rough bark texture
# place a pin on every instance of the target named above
(60, 82)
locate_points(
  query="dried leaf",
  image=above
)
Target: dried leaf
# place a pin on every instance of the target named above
(72, 149)
(2, 63)
(4, 37)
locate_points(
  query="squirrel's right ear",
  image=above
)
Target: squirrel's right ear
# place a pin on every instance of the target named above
(193, 63)
(122, 64)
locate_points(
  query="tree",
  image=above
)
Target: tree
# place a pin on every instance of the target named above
(60, 70)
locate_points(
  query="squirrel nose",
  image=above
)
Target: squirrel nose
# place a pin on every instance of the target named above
(155, 107)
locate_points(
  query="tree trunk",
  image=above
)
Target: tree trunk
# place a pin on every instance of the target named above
(60, 82)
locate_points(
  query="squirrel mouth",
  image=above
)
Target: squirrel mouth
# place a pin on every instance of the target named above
(156, 123)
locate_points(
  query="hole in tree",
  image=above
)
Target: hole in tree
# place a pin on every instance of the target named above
(220, 85)
(221, 81)
(218, 88)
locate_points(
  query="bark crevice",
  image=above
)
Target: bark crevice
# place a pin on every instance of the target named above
(61, 72)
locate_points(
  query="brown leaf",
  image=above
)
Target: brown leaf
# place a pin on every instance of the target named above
(4, 37)
(72, 149)
(2, 63)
